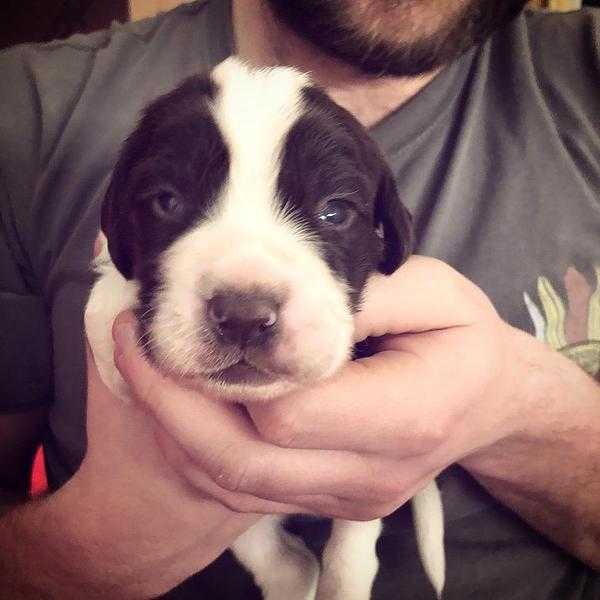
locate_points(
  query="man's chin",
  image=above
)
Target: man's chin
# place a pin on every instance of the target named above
(366, 43)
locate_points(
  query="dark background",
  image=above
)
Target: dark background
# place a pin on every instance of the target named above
(45, 20)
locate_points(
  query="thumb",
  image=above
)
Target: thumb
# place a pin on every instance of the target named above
(133, 366)
(203, 426)
(425, 294)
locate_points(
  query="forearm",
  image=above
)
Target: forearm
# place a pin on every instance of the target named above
(549, 470)
(118, 543)
(47, 551)
(9, 499)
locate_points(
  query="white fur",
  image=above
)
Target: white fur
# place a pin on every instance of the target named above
(110, 295)
(246, 243)
(283, 567)
(315, 321)
(428, 516)
(349, 561)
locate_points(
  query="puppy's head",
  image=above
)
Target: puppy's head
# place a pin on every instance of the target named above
(251, 210)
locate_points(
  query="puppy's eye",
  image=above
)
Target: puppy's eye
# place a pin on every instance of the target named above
(167, 205)
(336, 212)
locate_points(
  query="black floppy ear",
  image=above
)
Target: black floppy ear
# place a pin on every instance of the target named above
(115, 220)
(394, 222)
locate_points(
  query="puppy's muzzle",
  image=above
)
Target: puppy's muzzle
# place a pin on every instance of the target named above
(243, 319)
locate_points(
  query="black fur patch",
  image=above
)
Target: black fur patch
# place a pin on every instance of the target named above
(327, 154)
(177, 149)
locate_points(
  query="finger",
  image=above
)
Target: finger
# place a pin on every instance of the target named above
(101, 403)
(112, 422)
(423, 295)
(369, 505)
(247, 503)
(221, 439)
(395, 403)
(363, 510)
(325, 505)
(204, 486)
(368, 480)
(134, 368)
(322, 505)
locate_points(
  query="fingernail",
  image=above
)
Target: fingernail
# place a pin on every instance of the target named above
(124, 334)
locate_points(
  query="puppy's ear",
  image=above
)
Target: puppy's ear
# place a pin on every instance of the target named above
(394, 222)
(115, 221)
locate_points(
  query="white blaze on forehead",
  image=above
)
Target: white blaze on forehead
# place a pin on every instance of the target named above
(254, 109)
(246, 243)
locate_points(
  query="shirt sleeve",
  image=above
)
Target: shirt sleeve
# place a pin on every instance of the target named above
(25, 348)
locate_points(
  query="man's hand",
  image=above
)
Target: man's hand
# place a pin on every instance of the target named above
(364, 442)
(216, 447)
(440, 385)
(125, 526)
(449, 382)
(452, 382)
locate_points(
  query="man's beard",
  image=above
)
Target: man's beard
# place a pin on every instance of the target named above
(395, 37)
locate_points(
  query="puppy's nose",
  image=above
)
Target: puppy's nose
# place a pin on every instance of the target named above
(243, 319)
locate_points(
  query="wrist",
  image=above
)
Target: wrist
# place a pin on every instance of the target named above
(134, 547)
(546, 468)
(544, 399)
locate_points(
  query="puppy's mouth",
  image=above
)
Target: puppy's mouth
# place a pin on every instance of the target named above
(242, 373)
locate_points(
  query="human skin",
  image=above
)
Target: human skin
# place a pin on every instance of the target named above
(450, 382)
(125, 526)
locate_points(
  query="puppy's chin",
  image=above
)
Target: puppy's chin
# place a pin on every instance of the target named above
(243, 393)
(240, 383)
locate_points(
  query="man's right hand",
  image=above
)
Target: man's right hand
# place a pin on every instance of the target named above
(125, 526)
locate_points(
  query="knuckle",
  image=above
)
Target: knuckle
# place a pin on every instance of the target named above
(440, 265)
(238, 472)
(366, 513)
(233, 475)
(392, 492)
(281, 428)
(441, 271)
(240, 504)
(427, 435)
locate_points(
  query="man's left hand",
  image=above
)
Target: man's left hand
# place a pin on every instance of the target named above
(441, 384)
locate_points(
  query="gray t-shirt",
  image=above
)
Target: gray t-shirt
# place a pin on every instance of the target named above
(498, 158)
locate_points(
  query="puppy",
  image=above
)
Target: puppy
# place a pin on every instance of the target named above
(243, 219)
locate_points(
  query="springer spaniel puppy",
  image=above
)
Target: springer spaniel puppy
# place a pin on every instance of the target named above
(243, 219)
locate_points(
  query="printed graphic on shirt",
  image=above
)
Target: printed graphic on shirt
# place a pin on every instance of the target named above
(573, 326)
